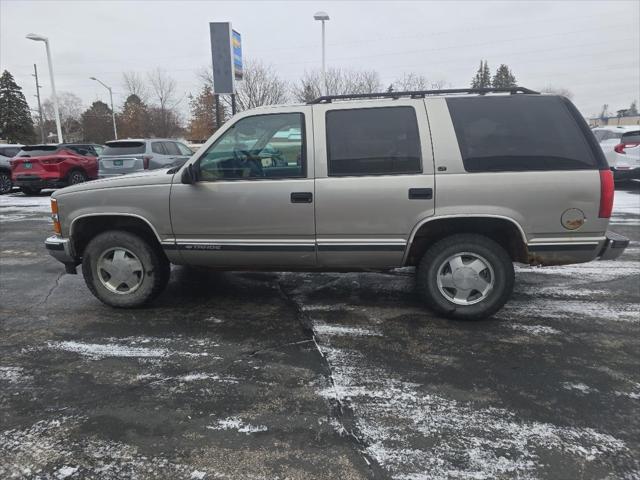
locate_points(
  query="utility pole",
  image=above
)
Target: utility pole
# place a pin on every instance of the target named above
(38, 87)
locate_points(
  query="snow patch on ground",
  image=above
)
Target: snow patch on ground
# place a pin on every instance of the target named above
(587, 272)
(33, 450)
(535, 329)
(580, 387)
(626, 203)
(571, 309)
(97, 351)
(236, 423)
(326, 329)
(16, 207)
(460, 439)
(12, 374)
(634, 394)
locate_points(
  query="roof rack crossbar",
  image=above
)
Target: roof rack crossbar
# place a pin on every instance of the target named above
(421, 93)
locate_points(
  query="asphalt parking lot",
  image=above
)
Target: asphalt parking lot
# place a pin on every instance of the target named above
(297, 376)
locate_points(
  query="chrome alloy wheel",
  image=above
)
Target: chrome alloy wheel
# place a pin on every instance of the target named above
(120, 271)
(465, 278)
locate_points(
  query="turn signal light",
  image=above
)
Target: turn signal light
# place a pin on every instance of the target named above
(54, 217)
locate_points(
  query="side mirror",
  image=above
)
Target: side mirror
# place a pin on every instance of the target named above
(189, 175)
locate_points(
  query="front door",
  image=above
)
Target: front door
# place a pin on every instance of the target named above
(253, 202)
(374, 181)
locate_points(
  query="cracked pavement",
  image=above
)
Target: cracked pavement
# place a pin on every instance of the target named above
(323, 376)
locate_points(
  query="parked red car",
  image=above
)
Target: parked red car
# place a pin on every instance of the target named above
(53, 166)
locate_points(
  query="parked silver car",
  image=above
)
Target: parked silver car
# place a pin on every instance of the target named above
(135, 155)
(456, 183)
(7, 152)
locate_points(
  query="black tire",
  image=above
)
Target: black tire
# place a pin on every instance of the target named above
(436, 257)
(155, 268)
(30, 190)
(76, 176)
(5, 182)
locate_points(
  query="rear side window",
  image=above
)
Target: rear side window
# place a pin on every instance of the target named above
(158, 147)
(373, 141)
(124, 148)
(518, 132)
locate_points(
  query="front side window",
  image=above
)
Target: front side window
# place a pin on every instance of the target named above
(519, 133)
(171, 148)
(262, 146)
(184, 150)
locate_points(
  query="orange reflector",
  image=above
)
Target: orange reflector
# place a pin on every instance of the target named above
(54, 217)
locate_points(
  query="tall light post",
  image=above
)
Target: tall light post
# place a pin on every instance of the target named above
(40, 38)
(113, 112)
(323, 17)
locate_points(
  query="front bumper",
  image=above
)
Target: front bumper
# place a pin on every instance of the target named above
(60, 249)
(613, 246)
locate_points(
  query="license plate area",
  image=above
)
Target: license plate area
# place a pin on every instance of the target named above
(118, 163)
(27, 165)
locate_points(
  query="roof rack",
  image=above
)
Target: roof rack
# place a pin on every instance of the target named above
(421, 93)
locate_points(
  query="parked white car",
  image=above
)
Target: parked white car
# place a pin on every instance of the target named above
(7, 152)
(621, 146)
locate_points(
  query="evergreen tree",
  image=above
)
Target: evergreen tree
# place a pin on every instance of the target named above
(134, 121)
(633, 109)
(483, 76)
(503, 78)
(203, 114)
(16, 124)
(97, 123)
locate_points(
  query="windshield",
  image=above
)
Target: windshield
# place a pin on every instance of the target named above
(124, 148)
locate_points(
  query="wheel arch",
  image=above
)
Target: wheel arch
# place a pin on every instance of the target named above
(504, 230)
(84, 227)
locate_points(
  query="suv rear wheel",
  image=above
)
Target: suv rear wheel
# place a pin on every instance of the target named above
(123, 270)
(465, 276)
(5, 182)
(76, 176)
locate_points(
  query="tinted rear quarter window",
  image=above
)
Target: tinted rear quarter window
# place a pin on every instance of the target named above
(521, 132)
(9, 151)
(373, 141)
(158, 147)
(124, 148)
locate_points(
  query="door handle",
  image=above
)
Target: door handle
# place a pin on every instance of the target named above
(420, 193)
(301, 197)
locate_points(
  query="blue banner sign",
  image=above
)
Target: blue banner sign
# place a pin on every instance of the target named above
(236, 42)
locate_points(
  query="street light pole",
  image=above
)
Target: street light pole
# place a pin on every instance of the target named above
(40, 38)
(322, 16)
(35, 69)
(113, 112)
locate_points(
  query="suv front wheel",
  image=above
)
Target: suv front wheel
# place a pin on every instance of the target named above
(465, 276)
(123, 270)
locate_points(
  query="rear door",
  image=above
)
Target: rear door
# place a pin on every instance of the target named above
(374, 180)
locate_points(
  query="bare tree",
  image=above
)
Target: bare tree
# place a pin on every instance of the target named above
(565, 92)
(164, 94)
(70, 109)
(339, 82)
(134, 84)
(410, 82)
(260, 85)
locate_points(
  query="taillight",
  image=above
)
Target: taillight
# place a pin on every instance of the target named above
(145, 161)
(606, 193)
(619, 148)
(54, 217)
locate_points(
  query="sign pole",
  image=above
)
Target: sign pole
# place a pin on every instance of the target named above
(218, 120)
(233, 103)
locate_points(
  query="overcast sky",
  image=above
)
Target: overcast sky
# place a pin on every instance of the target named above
(590, 47)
